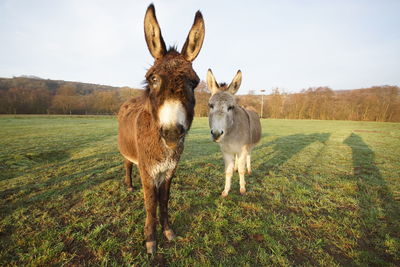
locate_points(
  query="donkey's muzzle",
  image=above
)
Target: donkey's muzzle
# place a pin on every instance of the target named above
(216, 135)
(172, 134)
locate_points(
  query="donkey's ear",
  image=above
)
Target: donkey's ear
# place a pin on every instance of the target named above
(212, 84)
(235, 84)
(195, 38)
(152, 33)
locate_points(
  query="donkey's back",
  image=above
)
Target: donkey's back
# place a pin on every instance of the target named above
(245, 130)
(255, 126)
(127, 127)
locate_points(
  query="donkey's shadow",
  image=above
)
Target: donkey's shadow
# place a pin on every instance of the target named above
(378, 207)
(282, 149)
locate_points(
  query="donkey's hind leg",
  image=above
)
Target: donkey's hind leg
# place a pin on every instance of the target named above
(242, 170)
(236, 163)
(248, 163)
(248, 158)
(128, 174)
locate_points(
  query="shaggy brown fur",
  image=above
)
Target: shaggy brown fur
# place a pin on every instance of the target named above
(143, 138)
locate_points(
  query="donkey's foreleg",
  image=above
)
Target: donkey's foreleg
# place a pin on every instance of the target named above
(242, 170)
(163, 203)
(229, 165)
(150, 203)
(128, 174)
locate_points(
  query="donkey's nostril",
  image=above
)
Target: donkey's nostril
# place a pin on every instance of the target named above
(181, 130)
(216, 134)
(172, 134)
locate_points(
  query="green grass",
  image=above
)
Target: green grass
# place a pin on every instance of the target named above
(322, 193)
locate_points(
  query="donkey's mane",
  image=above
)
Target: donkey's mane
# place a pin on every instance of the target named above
(172, 48)
(223, 86)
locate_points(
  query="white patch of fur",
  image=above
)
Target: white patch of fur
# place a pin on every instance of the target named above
(159, 171)
(151, 247)
(169, 234)
(171, 113)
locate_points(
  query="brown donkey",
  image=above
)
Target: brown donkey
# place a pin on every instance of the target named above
(152, 127)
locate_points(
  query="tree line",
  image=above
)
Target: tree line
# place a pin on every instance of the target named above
(377, 103)
(38, 96)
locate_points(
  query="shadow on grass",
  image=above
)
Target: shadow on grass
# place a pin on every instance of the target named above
(41, 195)
(24, 160)
(284, 148)
(379, 211)
(95, 177)
(17, 164)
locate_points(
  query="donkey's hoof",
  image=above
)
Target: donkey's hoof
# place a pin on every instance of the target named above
(249, 172)
(130, 189)
(151, 247)
(224, 194)
(169, 234)
(243, 191)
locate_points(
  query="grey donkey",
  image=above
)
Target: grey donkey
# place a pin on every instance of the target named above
(236, 129)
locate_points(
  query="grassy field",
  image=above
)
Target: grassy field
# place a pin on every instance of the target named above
(322, 193)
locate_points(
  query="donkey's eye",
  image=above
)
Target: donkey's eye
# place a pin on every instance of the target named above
(211, 106)
(155, 82)
(193, 84)
(154, 78)
(230, 107)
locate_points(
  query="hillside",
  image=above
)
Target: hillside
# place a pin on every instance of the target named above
(33, 95)
(33, 82)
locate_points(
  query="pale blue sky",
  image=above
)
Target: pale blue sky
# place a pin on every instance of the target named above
(287, 44)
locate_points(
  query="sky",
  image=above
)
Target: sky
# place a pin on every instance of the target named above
(292, 44)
